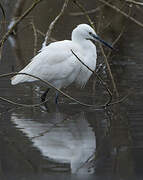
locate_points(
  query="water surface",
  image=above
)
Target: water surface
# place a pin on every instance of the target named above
(70, 141)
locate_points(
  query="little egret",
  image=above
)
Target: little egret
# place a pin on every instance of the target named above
(57, 64)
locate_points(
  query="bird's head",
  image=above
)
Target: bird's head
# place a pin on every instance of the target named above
(84, 31)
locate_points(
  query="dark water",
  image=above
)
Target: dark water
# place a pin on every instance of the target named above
(70, 141)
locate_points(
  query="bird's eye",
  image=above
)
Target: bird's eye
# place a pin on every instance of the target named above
(90, 33)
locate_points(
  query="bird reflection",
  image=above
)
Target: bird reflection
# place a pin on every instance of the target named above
(61, 139)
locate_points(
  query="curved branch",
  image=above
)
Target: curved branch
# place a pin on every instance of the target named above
(46, 83)
(49, 84)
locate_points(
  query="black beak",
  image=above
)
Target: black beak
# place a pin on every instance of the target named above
(102, 41)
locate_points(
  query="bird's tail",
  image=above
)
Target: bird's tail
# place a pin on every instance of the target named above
(21, 79)
(16, 79)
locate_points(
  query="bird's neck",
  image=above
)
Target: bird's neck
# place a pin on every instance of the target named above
(83, 43)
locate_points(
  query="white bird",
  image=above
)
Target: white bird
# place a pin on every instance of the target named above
(57, 64)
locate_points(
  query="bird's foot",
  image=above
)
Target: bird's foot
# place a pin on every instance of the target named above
(56, 99)
(43, 97)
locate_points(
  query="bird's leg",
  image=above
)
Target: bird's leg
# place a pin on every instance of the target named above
(57, 96)
(43, 97)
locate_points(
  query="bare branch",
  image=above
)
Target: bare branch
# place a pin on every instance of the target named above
(4, 18)
(87, 12)
(51, 27)
(13, 37)
(2, 9)
(13, 26)
(18, 8)
(80, 6)
(106, 61)
(123, 13)
(135, 2)
(35, 37)
(109, 70)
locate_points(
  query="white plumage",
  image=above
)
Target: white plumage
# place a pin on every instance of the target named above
(58, 65)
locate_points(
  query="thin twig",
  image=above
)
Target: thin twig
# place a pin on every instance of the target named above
(80, 6)
(123, 13)
(3, 11)
(51, 27)
(4, 17)
(42, 34)
(135, 2)
(87, 12)
(18, 8)
(106, 61)
(109, 70)
(35, 37)
(5, 37)
(119, 36)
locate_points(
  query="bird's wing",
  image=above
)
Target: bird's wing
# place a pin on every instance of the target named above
(55, 61)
